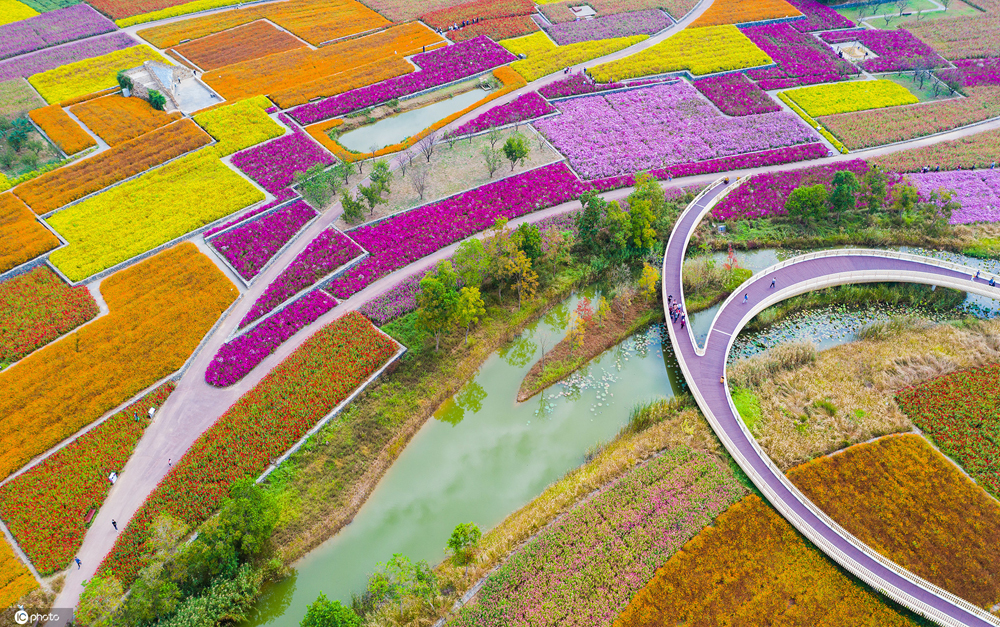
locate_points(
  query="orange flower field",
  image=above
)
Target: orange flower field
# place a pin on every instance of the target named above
(62, 129)
(288, 70)
(380, 70)
(744, 11)
(160, 310)
(22, 237)
(911, 504)
(117, 119)
(55, 189)
(255, 40)
(15, 578)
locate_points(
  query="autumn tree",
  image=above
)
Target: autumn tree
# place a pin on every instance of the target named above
(463, 543)
(518, 268)
(469, 308)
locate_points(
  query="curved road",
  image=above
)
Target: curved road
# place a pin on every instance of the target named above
(703, 367)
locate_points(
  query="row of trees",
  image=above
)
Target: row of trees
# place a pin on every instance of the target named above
(20, 148)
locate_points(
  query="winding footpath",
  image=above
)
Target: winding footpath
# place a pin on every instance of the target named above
(703, 368)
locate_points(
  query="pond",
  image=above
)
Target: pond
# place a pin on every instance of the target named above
(395, 129)
(481, 458)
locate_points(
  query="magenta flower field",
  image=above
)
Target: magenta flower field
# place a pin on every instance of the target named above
(248, 247)
(735, 94)
(575, 85)
(801, 59)
(896, 49)
(281, 197)
(274, 164)
(659, 126)
(437, 67)
(818, 17)
(526, 107)
(583, 569)
(974, 72)
(645, 22)
(52, 28)
(978, 191)
(405, 237)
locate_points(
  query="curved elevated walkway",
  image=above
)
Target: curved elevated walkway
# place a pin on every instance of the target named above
(702, 368)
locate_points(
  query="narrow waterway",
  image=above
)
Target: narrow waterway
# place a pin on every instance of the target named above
(481, 458)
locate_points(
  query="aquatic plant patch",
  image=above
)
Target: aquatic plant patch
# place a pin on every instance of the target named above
(657, 127)
(744, 12)
(117, 119)
(52, 190)
(539, 65)
(89, 75)
(523, 108)
(291, 69)
(864, 129)
(977, 191)
(818, 17)
(645, 22)
(50, 29)
(235, 359)
(959, 38)
(613, 542)
(36, 308)
(896, 49)
(259, 427)
(908, 502)
(253, 41)
(437, 67)
(62, 129)
(44, 60)
(698, 50)
(159, 311)
(240, 125)
(979, 150)
(735, 94)
(751, 567)
(148, 211)
(273, 165)
(850, 96)
(45, 508)
(22, 237)
(801, 59)
(15, 578)
(403, 238)
(250, 246)
(330, 250)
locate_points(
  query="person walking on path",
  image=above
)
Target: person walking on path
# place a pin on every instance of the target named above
(168, 462)
(78, 564)
(746, 297)
(114, 524)
(976, 278)
(773, 281)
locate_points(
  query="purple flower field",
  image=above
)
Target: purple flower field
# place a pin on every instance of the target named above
(274, 164)
(526, 107)
(437, 67)
(238, 357)
(657, 127)
(818, 17)
(735, 94)
(896, 49)
(585, 568)
(398, 301)
(330, 250)
(281, 197)
(49, 29)
(406, 237)
(974, 72)
(610, 26)
(801, 59)
(978, 191)
(248, 247)
(575, 85)
(45, 60)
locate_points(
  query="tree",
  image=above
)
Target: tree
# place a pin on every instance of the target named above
(807, 204)
(372, 195)
(157, 100)
(901, 5)
(500, 247)
(418, 179)
(124, 81)
(492, 159)
(18, 132)
(649, 280)
(642, 233)
(524, 277)
(317, 185)
(471, 262)
(426, 146)
(494, 135)
(463, 543)
(98, 601)
(353, 209)
(618, 227)
(341, 171)
(528, 238)
(381, 176)
(403, 160)
(326, 613)
(624, 293)
(845, 192)
(516, 149)
(588, 221)
(875, 187)
(469, 308)
(435, 307)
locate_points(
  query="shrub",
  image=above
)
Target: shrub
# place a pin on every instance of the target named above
(157, 100)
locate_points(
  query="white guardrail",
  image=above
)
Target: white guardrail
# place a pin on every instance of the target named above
(816, 536)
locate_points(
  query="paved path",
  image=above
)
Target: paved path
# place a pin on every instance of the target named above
(703, 368)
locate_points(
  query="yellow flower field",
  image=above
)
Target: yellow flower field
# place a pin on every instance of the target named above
(160, 310)
(698, 50)
(850, 96)
(15, 578)
(240, 125)
(14, 11)
(529, 45)
(90, 75)
(558, 57)
(143, 213)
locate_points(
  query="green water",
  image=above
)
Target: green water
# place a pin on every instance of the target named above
(483, 457)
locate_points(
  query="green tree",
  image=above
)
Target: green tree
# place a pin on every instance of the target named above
(372, 195)
(326, 613)
(381, 176)
(516, 148)
(354, 211)
(124, 81)
(588, 221)
(471, 262)
(875, 186)
(17, 133)
(492, 159)
(845, 192)
(463, 543)
(807, 204)
(435, 307)
(317, 185)
(528, 238)
(98, 601)
(469, 308)
(524, 277)
(641, 219)
(618, 227)
(500, 247)
(157, 100)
